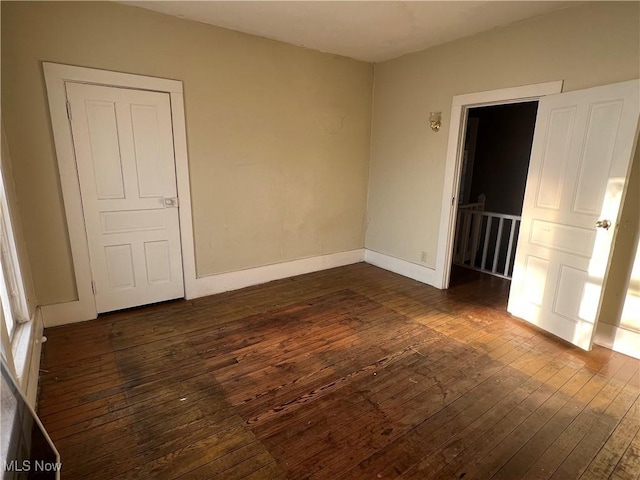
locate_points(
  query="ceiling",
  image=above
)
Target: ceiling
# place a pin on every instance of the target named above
(372, 31)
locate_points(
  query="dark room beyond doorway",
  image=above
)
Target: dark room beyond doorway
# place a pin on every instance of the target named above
(497, 149)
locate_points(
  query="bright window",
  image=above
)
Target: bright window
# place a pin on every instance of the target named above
(14, 311)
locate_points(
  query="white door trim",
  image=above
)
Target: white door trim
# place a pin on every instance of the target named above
(55, 77)
(457, 127)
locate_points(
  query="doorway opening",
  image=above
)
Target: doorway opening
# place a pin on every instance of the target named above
(493, 175)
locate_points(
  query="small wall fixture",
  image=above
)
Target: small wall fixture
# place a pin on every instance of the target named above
(435, 121)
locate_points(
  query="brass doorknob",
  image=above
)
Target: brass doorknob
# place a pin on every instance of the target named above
(603, 224)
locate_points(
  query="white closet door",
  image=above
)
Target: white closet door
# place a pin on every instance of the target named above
(124, 151)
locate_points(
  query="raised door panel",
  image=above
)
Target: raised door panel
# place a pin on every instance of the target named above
(105, 149)
(536, 274)
(121, 272)
(565, 238)
(596, 158)
(158, 262)
(570, 294)
(554, 158)
(132, 221)
(150, 164)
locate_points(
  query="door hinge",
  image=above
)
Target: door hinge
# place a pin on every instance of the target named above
(453, 199)
(93, 287)
(69, 110)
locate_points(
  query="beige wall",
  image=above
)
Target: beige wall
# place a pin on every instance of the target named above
(278, 136)
(586, 45)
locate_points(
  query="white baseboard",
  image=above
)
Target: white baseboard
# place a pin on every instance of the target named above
(72, 312)
(412, 270)
(225, 282)
(618, 339)
(67, 312)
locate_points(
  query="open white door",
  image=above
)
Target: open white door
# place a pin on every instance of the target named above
(123, 143)
(580, 161)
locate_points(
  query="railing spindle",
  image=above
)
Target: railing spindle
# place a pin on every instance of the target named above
(510, 248)
(476, 224)
(496, 252)
(486, 243)
(465, 232)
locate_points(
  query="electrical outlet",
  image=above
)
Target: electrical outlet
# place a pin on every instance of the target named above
(423, 257)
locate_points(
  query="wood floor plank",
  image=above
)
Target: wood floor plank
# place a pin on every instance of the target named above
(615, 446)
(628, 467)
(349, 373)
(511, 446)
(576, 417)
(430, 436)
(408, 415)
(458, 455)
(604, 422)
(409, 449)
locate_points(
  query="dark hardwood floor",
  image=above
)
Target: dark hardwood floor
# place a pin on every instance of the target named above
(349, 373)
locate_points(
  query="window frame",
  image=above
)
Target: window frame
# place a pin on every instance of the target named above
(18, 328)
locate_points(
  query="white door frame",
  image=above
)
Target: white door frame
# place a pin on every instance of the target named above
(459, 107)
(55, 77)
